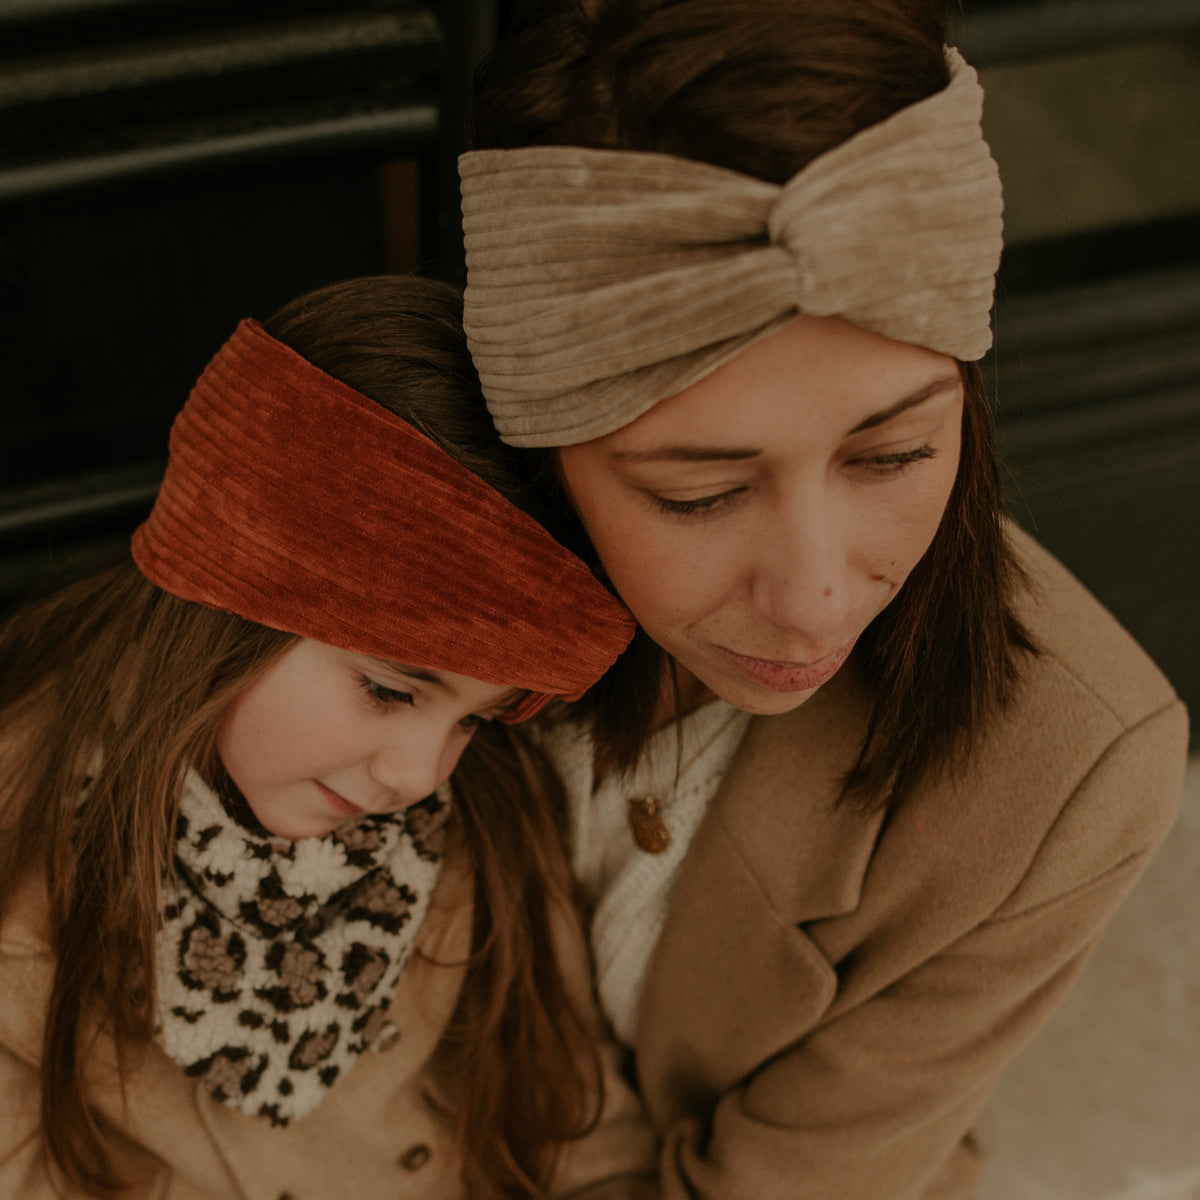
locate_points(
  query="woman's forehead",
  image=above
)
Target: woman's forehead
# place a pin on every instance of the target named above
(814, 371)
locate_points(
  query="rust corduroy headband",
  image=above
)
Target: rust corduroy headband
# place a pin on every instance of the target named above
(294, 501)
(600, 282)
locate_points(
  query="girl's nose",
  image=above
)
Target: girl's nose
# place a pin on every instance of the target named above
(417, 762)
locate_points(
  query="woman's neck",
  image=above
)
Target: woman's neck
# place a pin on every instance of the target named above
(679, 696)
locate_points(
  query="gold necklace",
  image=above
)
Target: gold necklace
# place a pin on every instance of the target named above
(647, 824)
(644, 814)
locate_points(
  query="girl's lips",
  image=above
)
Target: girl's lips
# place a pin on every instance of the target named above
(790, 676)
(339, 804)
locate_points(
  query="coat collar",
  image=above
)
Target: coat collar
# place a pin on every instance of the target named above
(778, 805)
(773, 852)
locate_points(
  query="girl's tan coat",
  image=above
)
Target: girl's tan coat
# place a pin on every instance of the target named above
(374, 1137)
(834, 994)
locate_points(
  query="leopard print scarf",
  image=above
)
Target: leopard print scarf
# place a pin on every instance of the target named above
(276, 960)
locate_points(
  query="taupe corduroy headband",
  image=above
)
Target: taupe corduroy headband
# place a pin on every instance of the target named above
(600, 282)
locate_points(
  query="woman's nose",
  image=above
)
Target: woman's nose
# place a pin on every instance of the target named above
(801, 579)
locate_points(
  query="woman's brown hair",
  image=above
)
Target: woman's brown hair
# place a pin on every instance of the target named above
(112, 688)
(763, 87)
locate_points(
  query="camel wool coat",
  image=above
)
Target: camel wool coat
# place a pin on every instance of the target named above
(374, 1137)
(834, 993)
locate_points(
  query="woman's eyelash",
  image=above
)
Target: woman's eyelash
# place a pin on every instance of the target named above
(701, 505)
(383, 697)
(883, 464)
(894, 462)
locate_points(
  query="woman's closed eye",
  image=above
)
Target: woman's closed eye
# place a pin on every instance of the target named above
(700, 506)
(381, 697)
(891, 464)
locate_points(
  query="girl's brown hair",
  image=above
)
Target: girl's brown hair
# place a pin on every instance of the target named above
(763, 87)
(112, 688)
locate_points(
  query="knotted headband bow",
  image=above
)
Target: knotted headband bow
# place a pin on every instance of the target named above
(296, 502)
(600, 282)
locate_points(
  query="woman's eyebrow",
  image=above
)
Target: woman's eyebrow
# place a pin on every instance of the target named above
(688, 453)
(933, 388)
(684, 454)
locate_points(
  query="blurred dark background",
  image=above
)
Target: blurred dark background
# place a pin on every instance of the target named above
(170, 166)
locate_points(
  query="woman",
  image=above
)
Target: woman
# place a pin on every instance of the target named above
(730, 267)
(248, 944)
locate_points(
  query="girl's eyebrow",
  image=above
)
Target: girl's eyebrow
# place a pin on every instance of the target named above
(423, 674)
(514, 701)
(934, 388)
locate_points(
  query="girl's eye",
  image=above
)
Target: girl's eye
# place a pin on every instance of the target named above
(383, 697)
(472, 723)
(701, 505)
(888, 464)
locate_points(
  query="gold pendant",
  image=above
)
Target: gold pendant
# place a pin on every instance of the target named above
(646, 823)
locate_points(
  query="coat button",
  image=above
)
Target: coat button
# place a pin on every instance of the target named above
(415, 1157)
(386, 1038)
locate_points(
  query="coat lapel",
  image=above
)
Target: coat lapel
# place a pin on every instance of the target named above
(734, 979)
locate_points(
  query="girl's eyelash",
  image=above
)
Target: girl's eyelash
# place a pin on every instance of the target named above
(383, 697)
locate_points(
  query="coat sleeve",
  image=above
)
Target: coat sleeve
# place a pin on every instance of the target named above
(617, 1158)
(24, 982)
(23, 1169)
(876, 1101)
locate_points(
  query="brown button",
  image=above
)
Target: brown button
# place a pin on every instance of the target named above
(386, 1038)
(415, 1157)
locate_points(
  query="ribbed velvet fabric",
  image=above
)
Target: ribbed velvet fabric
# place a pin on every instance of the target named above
(294, 501)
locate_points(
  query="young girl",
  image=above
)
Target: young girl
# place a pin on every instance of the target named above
(252, 944)
(730, 267)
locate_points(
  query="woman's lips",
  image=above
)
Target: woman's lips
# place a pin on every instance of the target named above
(790, 676)
(339, 804)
